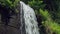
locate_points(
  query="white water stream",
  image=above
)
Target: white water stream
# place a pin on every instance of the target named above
(31, 25)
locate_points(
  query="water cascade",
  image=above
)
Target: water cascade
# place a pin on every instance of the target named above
(31, 25)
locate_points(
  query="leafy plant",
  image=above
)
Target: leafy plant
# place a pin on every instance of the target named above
(50, 25)
(9, 3)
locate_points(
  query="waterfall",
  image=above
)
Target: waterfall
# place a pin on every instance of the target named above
(31, 25)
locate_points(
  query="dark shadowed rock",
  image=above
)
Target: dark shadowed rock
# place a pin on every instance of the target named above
(12, 23)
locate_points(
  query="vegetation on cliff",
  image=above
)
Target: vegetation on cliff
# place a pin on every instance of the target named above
(47, 12)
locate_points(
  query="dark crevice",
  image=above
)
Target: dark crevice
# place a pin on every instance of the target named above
(4, 11)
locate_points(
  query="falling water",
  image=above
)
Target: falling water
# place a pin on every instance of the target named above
(31, 25)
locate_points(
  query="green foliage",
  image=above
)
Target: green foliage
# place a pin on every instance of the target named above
(9, 3)
(44, 14)
(54, 27)
(55, 5)
(36, 4)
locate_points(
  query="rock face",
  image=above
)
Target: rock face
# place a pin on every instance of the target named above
(13, 26)
(8, 30)
(14, 22)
